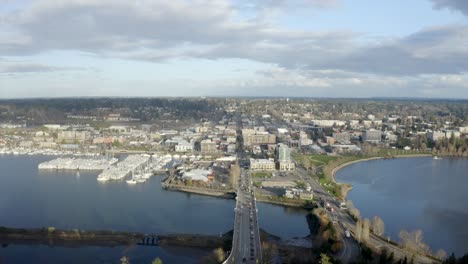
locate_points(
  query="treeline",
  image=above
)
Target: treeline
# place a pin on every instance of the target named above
(451, 147)
(145, 109)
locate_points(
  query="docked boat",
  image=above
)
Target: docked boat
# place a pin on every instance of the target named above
(131, 181)
(102, 179)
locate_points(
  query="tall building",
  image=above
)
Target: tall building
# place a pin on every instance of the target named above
(284, 158)
(284, 153)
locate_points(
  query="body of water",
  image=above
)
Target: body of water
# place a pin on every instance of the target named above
(32, 198)
(414, 193)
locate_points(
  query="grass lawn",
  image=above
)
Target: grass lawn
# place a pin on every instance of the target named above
(261, 174)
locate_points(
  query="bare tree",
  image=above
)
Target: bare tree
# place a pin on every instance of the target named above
(358, 231)
(353, 211)
(413, 240)
(365, 230)
(441, 254)
(378, 226)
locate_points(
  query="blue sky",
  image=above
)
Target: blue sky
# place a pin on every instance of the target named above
(331, 48)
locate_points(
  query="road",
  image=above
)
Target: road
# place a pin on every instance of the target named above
(246, 244)
(350, 250)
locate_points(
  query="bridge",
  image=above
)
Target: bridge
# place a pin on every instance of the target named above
(246, 244)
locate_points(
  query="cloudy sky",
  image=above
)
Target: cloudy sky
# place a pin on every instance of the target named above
(321, 48)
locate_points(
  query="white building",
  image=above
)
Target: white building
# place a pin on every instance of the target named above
(463, 130)
(262, 164)
(184, 147)
(328, 123)
(287, 165)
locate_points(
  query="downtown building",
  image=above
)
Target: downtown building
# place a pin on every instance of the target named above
(256, 137)
(372, 136)
(285, 162)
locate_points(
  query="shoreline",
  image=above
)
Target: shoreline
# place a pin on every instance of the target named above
(226, 194)
(107, 238)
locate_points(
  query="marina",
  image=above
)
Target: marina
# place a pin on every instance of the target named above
(44, 151)
(77, 164)
(140, 167)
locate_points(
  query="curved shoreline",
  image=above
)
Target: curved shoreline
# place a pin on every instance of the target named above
(339, 167)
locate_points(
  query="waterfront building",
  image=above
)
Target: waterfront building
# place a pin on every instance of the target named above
(439, 135)
(372, 136)
(73, 136)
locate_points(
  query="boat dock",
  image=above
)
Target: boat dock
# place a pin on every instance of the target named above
(124, 168)
(98, 164)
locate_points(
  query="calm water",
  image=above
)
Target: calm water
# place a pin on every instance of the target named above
(29, 198)
(415, 193)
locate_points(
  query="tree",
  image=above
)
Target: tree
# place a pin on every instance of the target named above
(125, 260)
(383, 258)
(441, 254)
(353, 211)
(391, 257)
(378, 226)
(324, 259)
(358, 231)
(413, 241)
(157, 261)
(365, 230)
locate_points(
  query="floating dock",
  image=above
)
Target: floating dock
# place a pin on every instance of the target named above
(77, 164)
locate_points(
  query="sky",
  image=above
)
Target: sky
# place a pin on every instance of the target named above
(294, 48)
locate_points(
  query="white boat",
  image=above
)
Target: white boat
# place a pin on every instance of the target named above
(437, 158)
(102, 179)
(131, 181)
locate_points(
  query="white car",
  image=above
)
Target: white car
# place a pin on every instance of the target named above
(347, 233)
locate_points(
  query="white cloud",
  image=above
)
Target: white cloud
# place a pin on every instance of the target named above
(161, 30)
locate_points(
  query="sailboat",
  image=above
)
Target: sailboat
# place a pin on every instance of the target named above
(132, 180)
